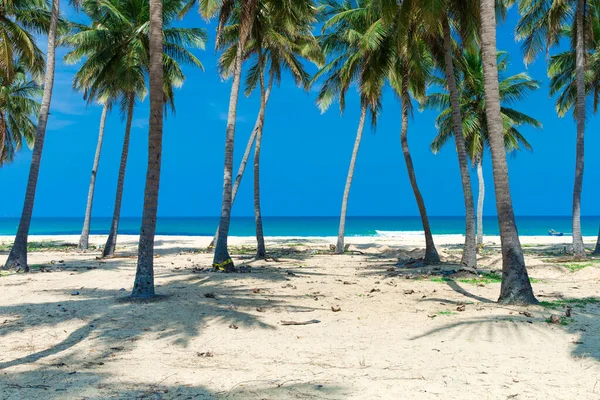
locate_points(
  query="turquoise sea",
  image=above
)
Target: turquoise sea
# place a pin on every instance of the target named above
(299, 226)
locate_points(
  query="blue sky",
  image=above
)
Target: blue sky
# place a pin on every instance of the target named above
(305, 155)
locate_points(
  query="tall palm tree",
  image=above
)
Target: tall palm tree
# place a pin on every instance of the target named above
(117, 51)
(280, 36)
(143, 286)
(17, 258)
(562, 70)
(225, 9)
(542, 25)
(515, 287)
(355, 35)
(17, 107)
(85, 232)
(472, 104)
(438, 17)
(410, 73)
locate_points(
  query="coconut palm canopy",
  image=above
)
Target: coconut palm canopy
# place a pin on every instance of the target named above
(18, 108)
(513, 89)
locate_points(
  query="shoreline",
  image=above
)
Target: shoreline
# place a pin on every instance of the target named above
(203, 241)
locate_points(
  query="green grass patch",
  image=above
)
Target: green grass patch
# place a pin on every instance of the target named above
(44, 246)
(485, 279)
(581, 303)
(446, 313)
(574, 267)
(564, 321)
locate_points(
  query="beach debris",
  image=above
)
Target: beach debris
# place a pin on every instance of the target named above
(233, 326)
(526, 313)
(568, 311)
(409, 291)
(210, 295)
(461, 307)
(75, 293)
(336, 308)
(312, 321)
(205, 354)
(432, 315)
(374, 290)
(122, 289)
(289, 285)
(256, 290)
(261, 309)
(555, 319)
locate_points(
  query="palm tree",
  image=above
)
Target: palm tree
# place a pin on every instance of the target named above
(357, 38)
(515, 287)
(17, 107)
(17, 258)
(438, 17)
(143, 286)
(472, 104)
(225, 9)
(85, 232)
(542, 25)
(410, 73)
(280, 36)
(117, 50)
(562, 70)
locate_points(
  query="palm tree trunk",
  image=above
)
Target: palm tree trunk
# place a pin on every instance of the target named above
(85, 233)
(339, 248)
(143, 286)
(2, 137)
(431, 254)
(469, 257)
(111, 242)
(261, 251)
(221, 259)
(578, 248)
(480, 199)
(515, 288)
(245, 158)
(597, 249)
(17, 258)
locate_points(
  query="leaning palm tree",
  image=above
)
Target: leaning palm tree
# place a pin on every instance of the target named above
(438, 18)
(17, 108)
(543, 24)
(472, 104)
(279, 38)
(116, 49)
(409, 75)
(515, 287)
(357, 39)
(17, 258)
(224, 9)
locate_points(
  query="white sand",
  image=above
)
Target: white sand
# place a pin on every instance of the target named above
(385, 343)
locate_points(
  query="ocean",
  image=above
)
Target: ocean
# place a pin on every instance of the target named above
(300, 226)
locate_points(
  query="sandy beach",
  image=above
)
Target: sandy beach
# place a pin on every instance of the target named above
(388, 327)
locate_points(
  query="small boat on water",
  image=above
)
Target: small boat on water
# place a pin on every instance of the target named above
(552, 232)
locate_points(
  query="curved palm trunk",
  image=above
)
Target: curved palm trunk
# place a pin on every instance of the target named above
(469, 257)
(111, 242)
(516, 288)
(261, 251)
(143, 286)
(17, 258)
(597, 249)
(431, 254)
(85, 232)
(221, 259)
(2, 137)
(480, 199)
(578, 248)
(245, 158)
(339, 248)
